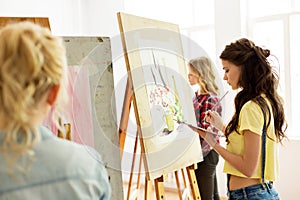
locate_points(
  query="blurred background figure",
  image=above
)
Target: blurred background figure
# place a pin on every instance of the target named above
(201, 73)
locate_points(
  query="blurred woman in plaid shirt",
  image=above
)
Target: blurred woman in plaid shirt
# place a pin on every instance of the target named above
(206, 98)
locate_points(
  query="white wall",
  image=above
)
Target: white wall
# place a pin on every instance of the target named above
(100, 17)
(288, 184)
(69, 17)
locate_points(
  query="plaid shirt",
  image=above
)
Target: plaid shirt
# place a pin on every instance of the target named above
(203, 103)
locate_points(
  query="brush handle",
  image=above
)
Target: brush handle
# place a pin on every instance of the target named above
(213, 108)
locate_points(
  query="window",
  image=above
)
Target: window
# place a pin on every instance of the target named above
(295, 70)
(202, 30)
(278, 29)
(194, 17)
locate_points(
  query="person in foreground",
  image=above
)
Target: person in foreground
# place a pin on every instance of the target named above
(35, 164)
(206, 98)
(257, 126)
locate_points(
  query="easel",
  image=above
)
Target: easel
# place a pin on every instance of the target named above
(129, 24)
(67, 134)
(158, 182)
(43, 21)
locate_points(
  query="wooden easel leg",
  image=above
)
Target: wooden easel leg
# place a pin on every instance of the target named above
(178, 185)
(132, 166)
(68, 131)
(193, 182)
(183, 178)
(186, 189)
(148, 189)
(125, 116)
(159, 188)
(139, 175)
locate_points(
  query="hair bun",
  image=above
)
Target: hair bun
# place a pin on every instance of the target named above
(266, 52)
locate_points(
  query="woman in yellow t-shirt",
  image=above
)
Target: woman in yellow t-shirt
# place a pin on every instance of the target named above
(251, 155)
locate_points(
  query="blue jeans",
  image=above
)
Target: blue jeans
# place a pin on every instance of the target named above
(254, 192)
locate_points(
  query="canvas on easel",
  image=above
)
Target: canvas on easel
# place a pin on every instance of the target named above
(93, 107)
(162, 95)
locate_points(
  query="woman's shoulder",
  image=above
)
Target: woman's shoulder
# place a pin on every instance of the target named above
(251, 107)
(254, 105)
(68, 164)
(250, 104)
(62, 148)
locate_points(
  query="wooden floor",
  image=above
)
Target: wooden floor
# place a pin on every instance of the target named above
(170, 193)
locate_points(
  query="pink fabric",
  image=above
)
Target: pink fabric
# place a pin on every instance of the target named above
(79, 111)
(48, 122)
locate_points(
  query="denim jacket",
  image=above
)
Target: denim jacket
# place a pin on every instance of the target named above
(60, 169)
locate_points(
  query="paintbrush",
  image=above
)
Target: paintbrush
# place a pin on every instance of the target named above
(217, 103)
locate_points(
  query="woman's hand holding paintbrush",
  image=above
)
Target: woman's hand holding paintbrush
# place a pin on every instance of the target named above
(214, 118)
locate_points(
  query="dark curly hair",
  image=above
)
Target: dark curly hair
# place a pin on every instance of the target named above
(257, 77)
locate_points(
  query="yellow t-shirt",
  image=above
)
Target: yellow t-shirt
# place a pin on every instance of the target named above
(251, 118)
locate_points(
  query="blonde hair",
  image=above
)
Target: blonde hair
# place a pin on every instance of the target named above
(32, 61)
(203, 67)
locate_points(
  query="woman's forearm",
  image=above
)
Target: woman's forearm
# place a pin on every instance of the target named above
(245, 166)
